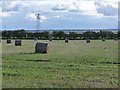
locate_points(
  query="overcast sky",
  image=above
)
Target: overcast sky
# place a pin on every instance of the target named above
(59, 14)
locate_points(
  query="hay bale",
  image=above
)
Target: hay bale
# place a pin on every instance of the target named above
(35, 39)
(87, 40)
(17, 42)
(41, 47)
(115, 39)
(8, 41)
(50, 39)
(103, 39)
(66, 40)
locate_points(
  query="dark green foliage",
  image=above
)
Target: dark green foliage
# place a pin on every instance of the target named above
(59, 35)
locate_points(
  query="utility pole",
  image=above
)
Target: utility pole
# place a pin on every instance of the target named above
(38, 22)
(37, 26)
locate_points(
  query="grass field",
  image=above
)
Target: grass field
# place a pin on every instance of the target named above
(67, 65)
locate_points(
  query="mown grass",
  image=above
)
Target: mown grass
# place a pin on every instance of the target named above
(67, 65)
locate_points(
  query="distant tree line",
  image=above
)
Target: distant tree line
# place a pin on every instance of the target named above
(59, 35)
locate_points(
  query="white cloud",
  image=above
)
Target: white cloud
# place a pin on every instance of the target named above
(42, 18)
(97, 8)
(87, 7)
(32, 16)
(57, 16)
(4, 14)
(8, 6)
(106, 9)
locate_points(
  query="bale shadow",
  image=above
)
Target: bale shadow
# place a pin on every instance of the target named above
(11, 74)
(110, 63)
(29, 53)
(26, 53)
(22, 53)
(39, 60)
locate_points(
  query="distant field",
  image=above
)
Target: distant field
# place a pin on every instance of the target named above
(67, 65)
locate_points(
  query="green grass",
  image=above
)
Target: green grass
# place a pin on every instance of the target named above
(69, 65)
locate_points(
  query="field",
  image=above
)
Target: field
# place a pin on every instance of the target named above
(76, 64)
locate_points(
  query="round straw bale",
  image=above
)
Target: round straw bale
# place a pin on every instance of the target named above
(41, 47)
(35, 39)
(103, 39)
(8, 41)
(116, 39)
(87, 40)
(66, 40)
(18, 42)
(50, 39)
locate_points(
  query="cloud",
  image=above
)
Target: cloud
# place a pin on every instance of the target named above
(8, 6)
(57, 16)
(106, 9)
(87, 7)
(33, 16)
(91, 7)
(4, 14)
(59, 8)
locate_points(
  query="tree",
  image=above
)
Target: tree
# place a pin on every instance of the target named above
(118, 35)
(73, 35)
(60, 34)
(46, 35)
(103, 34)
(87, 35)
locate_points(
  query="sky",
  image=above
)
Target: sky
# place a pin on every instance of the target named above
(59, 14)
